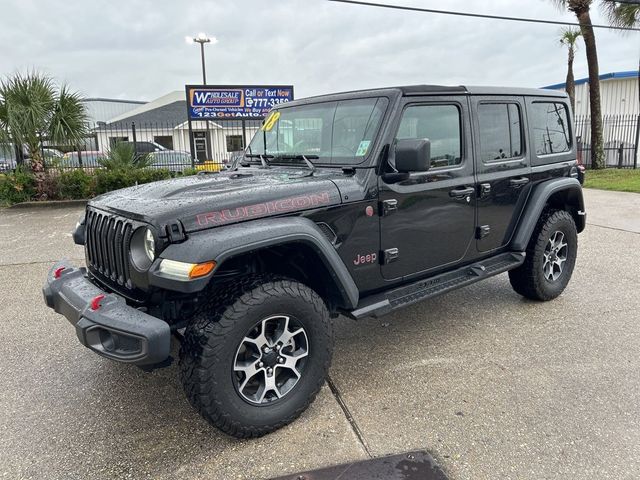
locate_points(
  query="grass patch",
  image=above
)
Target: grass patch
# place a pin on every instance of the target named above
(613, 179)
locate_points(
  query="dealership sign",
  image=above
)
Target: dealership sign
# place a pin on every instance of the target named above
(235, 102)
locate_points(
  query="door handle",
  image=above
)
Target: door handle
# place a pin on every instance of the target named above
(461, 193)
(518, 182)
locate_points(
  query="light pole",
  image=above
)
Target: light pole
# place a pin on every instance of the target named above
(201, 38)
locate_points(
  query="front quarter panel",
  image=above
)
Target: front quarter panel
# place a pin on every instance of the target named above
(220, 244)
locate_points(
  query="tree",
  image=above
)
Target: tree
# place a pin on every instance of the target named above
(624, 15)
(581, 9)
(569, 38)
(33, 108)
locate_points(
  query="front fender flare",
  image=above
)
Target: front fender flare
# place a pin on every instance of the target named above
(224, 242)
(539, 198)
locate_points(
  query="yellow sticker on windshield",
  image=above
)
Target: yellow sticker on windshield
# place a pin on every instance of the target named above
(270, 121)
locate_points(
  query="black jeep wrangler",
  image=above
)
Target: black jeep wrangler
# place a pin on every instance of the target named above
(356, 203)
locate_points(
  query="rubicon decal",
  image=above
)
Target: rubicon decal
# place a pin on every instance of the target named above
(258, 210)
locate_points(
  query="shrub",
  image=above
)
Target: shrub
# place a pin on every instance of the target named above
(50, 187)
(188, 172)
(69, 185)
(76, 185)
(16, 187)
(108, 180)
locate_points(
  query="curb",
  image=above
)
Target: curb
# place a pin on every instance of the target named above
(50, 204)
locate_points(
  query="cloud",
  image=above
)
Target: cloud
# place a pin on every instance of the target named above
(136, 49)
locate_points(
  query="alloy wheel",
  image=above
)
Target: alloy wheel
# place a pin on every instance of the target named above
(554, 256)
(270, 359)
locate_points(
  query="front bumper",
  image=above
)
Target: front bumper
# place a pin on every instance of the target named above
(109, 327)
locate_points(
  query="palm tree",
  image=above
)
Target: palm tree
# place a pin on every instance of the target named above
(569, 38)
(123, 157)
(581, 9)
(32, 107)
(624, 14)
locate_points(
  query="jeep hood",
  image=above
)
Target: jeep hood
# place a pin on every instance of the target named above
(205, 201)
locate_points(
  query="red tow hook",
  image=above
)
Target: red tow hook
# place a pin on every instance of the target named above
(95, 303)
(58, 271)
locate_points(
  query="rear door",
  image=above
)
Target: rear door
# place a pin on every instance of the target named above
(502, 166)
(427, 221)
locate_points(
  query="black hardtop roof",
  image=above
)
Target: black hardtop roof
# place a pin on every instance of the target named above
(415, 90)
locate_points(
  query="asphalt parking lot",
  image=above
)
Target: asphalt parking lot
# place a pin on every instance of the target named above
(491, 385)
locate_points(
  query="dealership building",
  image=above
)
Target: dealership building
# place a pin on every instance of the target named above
(211, 132)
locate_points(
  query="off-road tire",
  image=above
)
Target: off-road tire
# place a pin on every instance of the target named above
(211, 341)
(528, 279)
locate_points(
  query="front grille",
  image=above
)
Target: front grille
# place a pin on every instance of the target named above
(107, 240)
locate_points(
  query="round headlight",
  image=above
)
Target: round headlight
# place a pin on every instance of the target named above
(143, 248)
(149, 245)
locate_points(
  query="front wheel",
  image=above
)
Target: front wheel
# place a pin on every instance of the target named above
(255, 362)
(551, 256)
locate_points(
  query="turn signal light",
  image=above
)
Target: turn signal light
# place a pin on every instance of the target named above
(185, 271)
(201, 269)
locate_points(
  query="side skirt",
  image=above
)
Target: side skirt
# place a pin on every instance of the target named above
(386, 302)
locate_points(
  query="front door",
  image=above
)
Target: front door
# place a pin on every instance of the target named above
(502, 166)
(427, 221)
(200, 142)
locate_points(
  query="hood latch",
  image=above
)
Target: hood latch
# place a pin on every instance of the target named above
(175, 232)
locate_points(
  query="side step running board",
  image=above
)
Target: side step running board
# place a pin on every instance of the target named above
(383, 303)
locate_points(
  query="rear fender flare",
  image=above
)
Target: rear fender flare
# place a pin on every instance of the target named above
(561, 192)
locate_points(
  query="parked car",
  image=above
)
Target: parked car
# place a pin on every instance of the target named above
(395, 195)
(145, 147)
(7, 164)
(7, 158)
(86, 159)
(52, 157)
(172, 160)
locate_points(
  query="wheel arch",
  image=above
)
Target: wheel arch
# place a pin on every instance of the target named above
(559, 193)
(291, 246)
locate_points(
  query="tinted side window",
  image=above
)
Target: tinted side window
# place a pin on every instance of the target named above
(165, 140)
(441, 125)
(551, 133)
(500, 131)
(145, 147)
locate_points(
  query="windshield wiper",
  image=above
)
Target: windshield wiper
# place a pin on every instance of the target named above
(262, 158)
(306, 158)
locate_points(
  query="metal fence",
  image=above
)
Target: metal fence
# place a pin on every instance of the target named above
(175, 146)
(620, 134)
(212, 144)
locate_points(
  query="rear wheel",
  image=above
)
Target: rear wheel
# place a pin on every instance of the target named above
(551, 256)
(255, 362)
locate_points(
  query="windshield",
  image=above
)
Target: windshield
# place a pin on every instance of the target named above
(328, 133)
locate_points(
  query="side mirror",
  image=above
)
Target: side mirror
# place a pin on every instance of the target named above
(413, 155)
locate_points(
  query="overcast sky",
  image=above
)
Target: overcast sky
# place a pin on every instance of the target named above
(135, 49)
